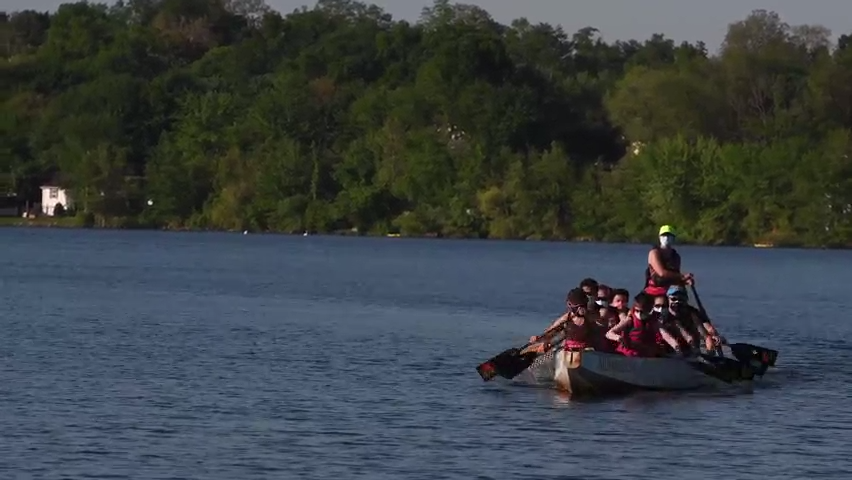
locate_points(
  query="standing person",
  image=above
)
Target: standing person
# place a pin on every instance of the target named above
(664, 265)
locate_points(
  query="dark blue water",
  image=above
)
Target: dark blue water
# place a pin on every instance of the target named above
(220, 356)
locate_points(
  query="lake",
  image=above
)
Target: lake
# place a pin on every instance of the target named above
(157, 355)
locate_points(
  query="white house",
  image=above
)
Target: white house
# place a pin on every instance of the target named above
(636, 147)
(51, 196)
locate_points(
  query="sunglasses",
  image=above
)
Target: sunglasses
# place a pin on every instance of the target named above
(575, 309)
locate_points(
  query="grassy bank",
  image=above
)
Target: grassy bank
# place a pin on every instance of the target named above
(59, 222)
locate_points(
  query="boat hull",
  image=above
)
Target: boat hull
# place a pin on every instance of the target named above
(591, 373)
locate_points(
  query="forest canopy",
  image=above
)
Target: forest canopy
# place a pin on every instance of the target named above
(224, 114)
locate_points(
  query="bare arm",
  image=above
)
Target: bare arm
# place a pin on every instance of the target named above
(541, 343)
(657, 265)
(553, 326)
(684, 333)
(613, 333)
(702, 326)
(567, 317)
(558, 322)
(702, 322)
(668, 338)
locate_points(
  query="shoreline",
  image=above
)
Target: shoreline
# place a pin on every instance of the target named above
(73, 223)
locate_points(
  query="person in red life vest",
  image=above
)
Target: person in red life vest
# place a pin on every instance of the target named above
(577, 323)
(663, 268)
(639, 332)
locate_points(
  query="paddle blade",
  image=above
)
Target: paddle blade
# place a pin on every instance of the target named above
(487, 370)
(508, 364)
(748, 353)
(725, 369)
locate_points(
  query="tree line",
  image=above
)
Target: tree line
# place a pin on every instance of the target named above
(224, 114)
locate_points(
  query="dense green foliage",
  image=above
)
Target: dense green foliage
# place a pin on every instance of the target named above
(229, 116)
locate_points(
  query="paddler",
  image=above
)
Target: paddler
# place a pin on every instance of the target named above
(638, 333)
(664, 265)
(691, 318)
(607, 313)
(577, 328)
(604, 296)
(609, 317)
(620, 300)
(673, 325)
(590, 288)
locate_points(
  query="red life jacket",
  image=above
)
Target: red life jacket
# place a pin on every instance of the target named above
(641, 339)
(655, 284)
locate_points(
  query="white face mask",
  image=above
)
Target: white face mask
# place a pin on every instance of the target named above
(666, 240)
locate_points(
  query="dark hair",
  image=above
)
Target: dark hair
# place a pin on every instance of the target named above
(589, 283)
(644, 301)
(607, 289)
(620, 291)
(576, 297)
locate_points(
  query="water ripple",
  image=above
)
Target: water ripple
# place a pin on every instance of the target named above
(175, 356)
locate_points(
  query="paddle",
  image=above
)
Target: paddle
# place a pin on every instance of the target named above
(704, 314)
(510, 363)
(744, 352)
